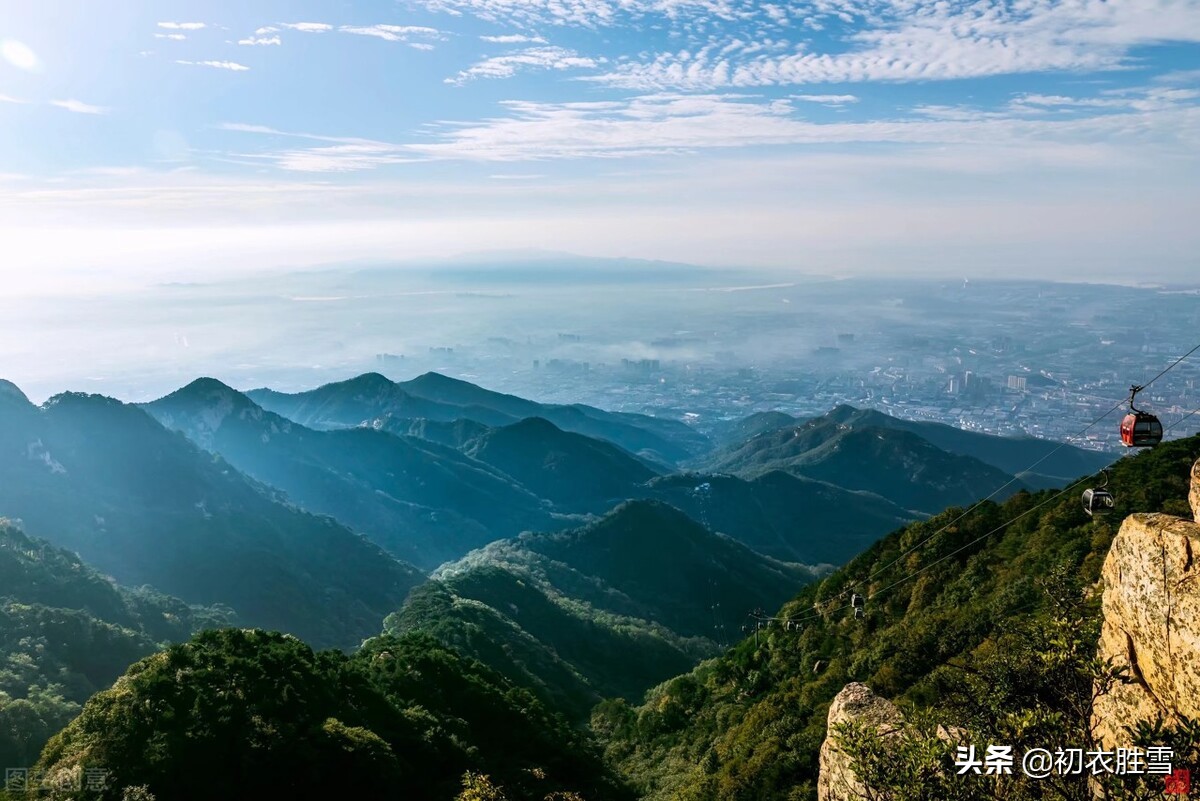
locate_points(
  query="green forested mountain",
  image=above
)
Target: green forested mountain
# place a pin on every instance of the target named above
(439, 398)
(610, 608)
(748, 725)
(250, 714)
(898, 465)
(67, 632)
(1056, 461)
(146, 506)
(421, 501)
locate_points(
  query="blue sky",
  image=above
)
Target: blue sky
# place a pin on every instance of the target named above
(186, 139)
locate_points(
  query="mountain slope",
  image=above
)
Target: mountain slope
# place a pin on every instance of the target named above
(146, 506)
(439, 398)
(898, 465)
(421, 501)
(605, 609)
(67, 632)
(749, 724)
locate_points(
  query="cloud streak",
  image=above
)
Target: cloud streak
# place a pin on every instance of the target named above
(78, 107)
(532, 58)
(232, 66)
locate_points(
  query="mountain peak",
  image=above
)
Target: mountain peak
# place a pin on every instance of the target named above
(207, 392)
(12, 393)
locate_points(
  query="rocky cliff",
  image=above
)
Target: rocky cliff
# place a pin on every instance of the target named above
(1151, 607)
(855, 703)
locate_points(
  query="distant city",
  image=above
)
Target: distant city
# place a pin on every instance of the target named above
(1013, 359)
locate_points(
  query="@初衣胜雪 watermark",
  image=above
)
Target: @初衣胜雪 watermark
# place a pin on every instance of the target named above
(1041, 763)
(29, 780)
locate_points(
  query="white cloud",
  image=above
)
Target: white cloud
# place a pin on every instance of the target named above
(675, 124)
(263, 31)
(666, 123)
(307, 27)
(543, 58)
(176, 37)
(916, 40)
(827, 100)
(514, 38)
(221, 65)
(182, 26)
(260, 40)
(19, 54)
(391, 33)
(79, 107)
(10, 99)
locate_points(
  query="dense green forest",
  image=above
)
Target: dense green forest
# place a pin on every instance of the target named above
(250, 714)
(749, 724)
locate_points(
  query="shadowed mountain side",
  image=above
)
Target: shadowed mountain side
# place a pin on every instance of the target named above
(604, 609)
(439, 398)
(562, 650)
(576, 472)
(149, 507)
(789, 517)
(422, 501)
(67, 632)
(897, 465)
(654, 562)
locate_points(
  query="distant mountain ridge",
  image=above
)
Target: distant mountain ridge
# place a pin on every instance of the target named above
(423, 502)
(144, 504)
(433, 396)
(894, 463)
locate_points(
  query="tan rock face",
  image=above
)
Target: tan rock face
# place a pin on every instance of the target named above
(855, 703)
(1194, 495)
(1151, 608)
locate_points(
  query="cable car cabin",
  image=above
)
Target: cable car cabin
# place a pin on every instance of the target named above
(859, 613)
(1140, 430)
(1098, 501)
(858, 602)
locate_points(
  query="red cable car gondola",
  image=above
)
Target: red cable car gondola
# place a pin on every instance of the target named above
(1139, 429)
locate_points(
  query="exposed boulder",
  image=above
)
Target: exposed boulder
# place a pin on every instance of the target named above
(856, 703)
(1151, 608)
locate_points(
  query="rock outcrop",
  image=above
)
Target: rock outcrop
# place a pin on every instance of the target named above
(1151, 607)
(855, 703)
